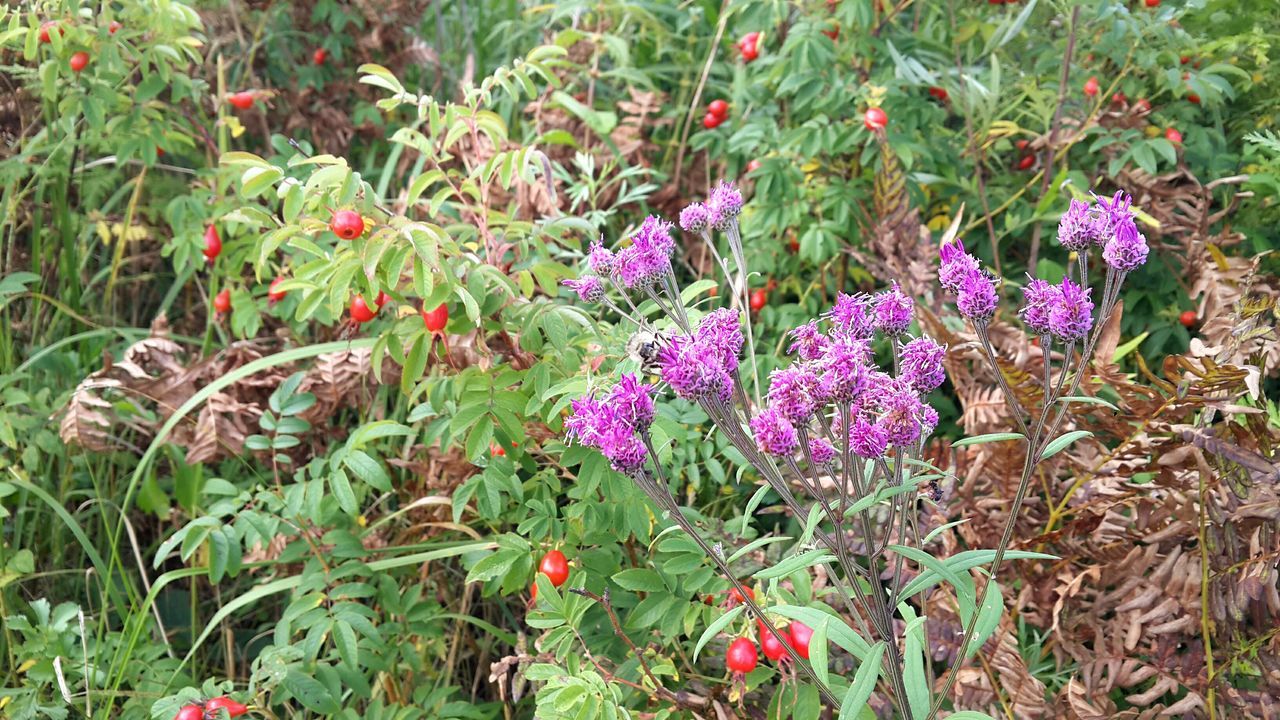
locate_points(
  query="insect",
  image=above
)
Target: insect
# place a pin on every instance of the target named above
(644, 346)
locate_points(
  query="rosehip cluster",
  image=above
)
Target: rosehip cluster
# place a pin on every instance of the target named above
(210, 709)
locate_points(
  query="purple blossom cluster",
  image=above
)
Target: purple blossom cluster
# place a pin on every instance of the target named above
(703, 365)
(834, 374)
(1063, 311)
(616, 424)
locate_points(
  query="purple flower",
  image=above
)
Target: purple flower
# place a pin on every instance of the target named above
(588, 287)
(921, 365)
(600, 259)
(1127, 250)
(1039, 296)
(654, 236)
(977, 297)
(633, 401)
(721, 331)
(867, 439)
(774, 433)
(795, 392)
(1078, 227)
(928, 421)
(695, 218)
(810, 343)
(893, 311)
(852, 316)
(901, 418)
(694, 369)
(649, 256)
(724, 205)
(955, 265)
(625, 451)
(845, 373)
(1071, 315)
(602, 426)
(585, 422)
(821, 451)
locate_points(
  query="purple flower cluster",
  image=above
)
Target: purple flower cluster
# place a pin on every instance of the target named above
(648, 258)
(615, 424)
(724, 206)
(893, 311)
(721, 330)
(774, 433)
(836, 367)
(695, 218)
(1106, 223)
(589, 288)
(1064, 311)
(962, 274)
(694, 369)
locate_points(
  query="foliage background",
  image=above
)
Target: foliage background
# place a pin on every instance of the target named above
(271, 503)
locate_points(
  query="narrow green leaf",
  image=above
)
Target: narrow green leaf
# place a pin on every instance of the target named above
(864, 682)
(1060, 443)
(988, 438)
(1088, 400)
(715, 627)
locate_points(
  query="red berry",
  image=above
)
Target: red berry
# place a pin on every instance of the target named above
(1119, 98)
(46, 27)
(1142, 106)
(435, 320)
(1184, 59)
(555, 566)
(233, 708)
(770, 645)
(159, 151)
(741, 656)
(800, 635)
(1091, 86)
(1022, 144)
(1173, 136)
(758, 298)
(496, 450)
(753, 166)
(114, 26)
(242, 100)
(749, 46)
(793, 245)
(212, 243)
(875, 118)
(533, 591)
(347, 224)
(79, 61)
(273, 295)
(360, 311)
(735, 597)
(319, 56)
(1153, 3)
(1187, 318)
(833, 33)
(190, 712)
(750, 54)
(710, 121)
(382, 299)
(1193, 98)
(1026, 162)
(719, 108)
(222, 302)
(938, 93)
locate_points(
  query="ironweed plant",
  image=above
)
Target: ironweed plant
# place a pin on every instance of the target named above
(846, 432)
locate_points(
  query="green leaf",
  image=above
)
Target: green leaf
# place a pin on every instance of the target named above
(988, 618)
(715, 627)
(988, 438)
(1125, 349)
(342, 492)
(310, 692)
(1086, 399)
(818, 653)
(368, 470)
(1060, 443)
(864, 682)
(794, 563)
(640, 580)
(344, 639)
